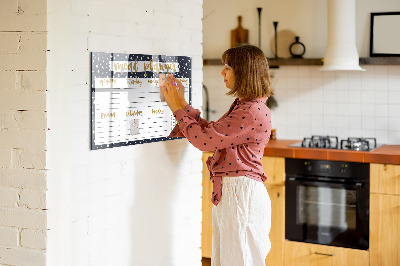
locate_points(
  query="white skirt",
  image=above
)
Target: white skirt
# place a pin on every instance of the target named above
(241, 223)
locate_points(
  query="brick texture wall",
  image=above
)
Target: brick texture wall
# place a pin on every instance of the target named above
(23, 125)
(60, 202)
(135, 205)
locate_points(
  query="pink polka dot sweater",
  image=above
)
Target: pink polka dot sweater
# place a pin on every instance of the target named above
(238, 139)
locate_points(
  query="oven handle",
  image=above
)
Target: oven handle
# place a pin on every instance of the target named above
(357, 185)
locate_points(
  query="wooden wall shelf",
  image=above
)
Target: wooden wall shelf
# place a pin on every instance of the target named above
(380, 61)
(273, 63)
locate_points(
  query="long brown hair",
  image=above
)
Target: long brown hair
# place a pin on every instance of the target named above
(250, 66)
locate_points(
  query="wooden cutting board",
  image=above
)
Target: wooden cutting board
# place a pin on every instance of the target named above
(239, 35)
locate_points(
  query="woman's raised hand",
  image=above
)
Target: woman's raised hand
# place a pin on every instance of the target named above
(180, 87)
(173, 93)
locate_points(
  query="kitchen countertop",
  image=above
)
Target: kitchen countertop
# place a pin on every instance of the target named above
(389, 154)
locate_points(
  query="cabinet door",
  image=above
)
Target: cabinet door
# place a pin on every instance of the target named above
(206, 226)
(274, 168)
(277, 233)
(304, 254)
(385, 178)
(384, 230)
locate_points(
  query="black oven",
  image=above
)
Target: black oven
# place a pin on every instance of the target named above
(327, 202)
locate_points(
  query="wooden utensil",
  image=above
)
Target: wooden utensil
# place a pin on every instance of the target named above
(239, 35)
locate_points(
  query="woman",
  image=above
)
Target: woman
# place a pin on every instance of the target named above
(242, 211)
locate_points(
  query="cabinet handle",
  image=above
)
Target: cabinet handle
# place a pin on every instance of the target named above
(324, 254)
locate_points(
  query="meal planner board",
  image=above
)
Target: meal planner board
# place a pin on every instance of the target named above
(128, 106)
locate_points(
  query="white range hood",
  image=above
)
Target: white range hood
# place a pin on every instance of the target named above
(341, 51)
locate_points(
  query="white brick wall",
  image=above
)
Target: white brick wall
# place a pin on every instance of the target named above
(23, 132)
(135, 205)
(108, 207)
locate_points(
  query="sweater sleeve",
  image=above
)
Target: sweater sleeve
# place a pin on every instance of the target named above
(229, 131)
(193, 113)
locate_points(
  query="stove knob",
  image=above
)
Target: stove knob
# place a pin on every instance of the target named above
(343, 168)
(308, 166)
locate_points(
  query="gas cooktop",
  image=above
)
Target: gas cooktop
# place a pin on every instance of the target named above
(332, 142)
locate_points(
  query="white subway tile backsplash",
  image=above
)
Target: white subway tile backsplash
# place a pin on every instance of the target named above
(394, 137)
(342, 81)
(315, 71)
(291, 71)
(367, 122)
(381, 84)
(382, 136)
(304, 109)
(316, 82)
(367, 110)
(328, 74)
(304, 82)
(354, 80)
(381, 122)
(342, 109)
(394, 123)
(305, 95)
(367, 83)
(293, 120)
(394, 97)
(355, 96)
(329, 122)
(380, 71)
(367, 96)
(393, 71)
(304, 72)
(394, 83)
(329, 93)
(355, 132)
(342, 122)
(292, 83)
(367, 133)
(342, 96)
(342, 133)
(381, 97)
(355, 109)
(317, 121)
(278, 82)
(355, 122)
(347, 103)
(394, 110)
(381, 110)
(329, 109)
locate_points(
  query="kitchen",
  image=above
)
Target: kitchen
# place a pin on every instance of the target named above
(141, 204)
(313, 104)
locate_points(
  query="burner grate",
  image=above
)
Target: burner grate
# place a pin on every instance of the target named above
(358, 144)
(327, 142)
(332, 142)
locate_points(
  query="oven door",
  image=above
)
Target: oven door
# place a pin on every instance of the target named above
(327, 213)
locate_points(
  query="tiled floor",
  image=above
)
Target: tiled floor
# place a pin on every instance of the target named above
(206, 261)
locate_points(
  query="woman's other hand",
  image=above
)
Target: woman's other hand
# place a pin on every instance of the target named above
(172, 96)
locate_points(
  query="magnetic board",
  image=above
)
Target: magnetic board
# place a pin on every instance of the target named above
(128, 106)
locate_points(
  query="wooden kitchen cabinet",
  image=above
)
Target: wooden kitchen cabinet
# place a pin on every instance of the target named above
(277, 233)
(274, 168)
(385, 178)
(206, 225)
(305, 254)
(385, 215)
(384, 236)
